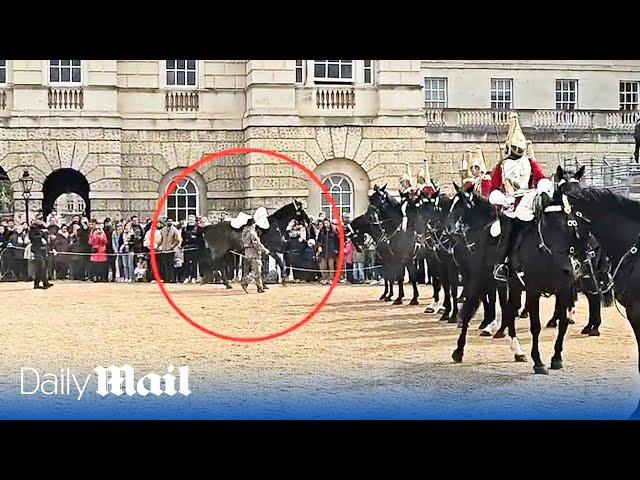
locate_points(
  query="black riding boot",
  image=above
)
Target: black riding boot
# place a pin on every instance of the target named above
(501, 269)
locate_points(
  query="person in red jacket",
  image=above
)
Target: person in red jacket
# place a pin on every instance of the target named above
(98, 241)
(515, 182)
(475, 169)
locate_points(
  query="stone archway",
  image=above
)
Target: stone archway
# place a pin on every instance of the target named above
(7, 206)
(64, 180)
(354, 176)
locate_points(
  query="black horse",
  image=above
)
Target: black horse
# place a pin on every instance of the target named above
(615, 221)
(546, 249)
(222, 240)
(439, 248)
(396, 246)
(595, 270)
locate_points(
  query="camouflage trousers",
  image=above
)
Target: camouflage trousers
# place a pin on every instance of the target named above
(252, 270)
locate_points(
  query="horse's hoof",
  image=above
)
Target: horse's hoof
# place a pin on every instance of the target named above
(457, 355)
(540, 370)
(387, 299)
(499, 334)
(586, 330)
(397, 301)
(460, 324)
(429, 310)
(444, 318)
(382, 297)
(485, 333)
(594, 332)
(229, 287)
(414, 301)
(441, 310)
(552, 324)
(521, 358)
(524, 314)
(556, 364)
(454, 319)
(570, 321)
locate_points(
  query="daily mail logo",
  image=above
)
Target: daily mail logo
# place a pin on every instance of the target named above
(110, 380)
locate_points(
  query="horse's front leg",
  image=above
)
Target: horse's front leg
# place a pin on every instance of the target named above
(280, 265)
(446, 306)
(469, 307)
(553, 323)
(389, 296)
(413, 276)
(400, 280)
(535, 326)
(453, 280)
(595, 308)
(556, 360)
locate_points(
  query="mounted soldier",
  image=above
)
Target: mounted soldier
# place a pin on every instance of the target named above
(407, 191)
(475, 172)
(515, 182)
(424, 184)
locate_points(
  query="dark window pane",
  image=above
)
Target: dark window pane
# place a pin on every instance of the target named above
(75, 63)
(66, 74)
(54, 62)
(180, 63)
(180, 79)
(182, 202)
(191, 188)
(367, 76)
(191, 78)
(65, 63)
(367, 63)
(191, 201)
(171, 78)
(171, 201)
(191, 64)
(3, 63)
(55, 74)
(319, 70)
(346, 71)
(76, 74)
(171, 64)
(333, 71)
(298, 75)
(298, 63)
(3, 76)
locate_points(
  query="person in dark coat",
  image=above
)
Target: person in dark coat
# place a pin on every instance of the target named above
(39, 237)
(327, 247)
(191, 241)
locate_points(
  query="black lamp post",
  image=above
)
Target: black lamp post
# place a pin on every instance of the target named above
(27, 182)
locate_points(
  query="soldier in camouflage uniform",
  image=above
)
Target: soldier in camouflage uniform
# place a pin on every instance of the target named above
(253, 252)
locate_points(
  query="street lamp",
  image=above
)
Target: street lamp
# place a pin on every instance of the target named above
(27, 182)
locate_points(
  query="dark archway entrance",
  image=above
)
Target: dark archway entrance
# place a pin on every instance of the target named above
(64, 180)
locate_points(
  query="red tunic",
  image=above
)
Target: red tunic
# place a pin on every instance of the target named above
(537, 174)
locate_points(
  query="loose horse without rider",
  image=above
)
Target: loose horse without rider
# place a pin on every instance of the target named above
(223, 241)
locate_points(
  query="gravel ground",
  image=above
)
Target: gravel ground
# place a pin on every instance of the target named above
(358, 358)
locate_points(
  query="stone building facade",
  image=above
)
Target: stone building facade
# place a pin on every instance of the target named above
(118, 132)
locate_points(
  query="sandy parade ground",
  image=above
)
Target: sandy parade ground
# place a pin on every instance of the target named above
(358, 358)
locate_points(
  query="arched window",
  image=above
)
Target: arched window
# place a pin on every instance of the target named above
(341, 190)
(183, 201)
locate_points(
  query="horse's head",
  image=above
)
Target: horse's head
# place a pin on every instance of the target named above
(567, 182)
(379, 198)
(360, 226)
(461, 209)
(299, 213)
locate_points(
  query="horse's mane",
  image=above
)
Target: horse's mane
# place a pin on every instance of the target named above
(613, 201)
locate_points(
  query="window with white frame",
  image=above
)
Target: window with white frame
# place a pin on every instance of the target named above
(181, 73)
(333, 71)
(566, 94)
(501, 93)
(183, 201)
(435, 92)
(3, 72)
(629, 95)
(368, 72)
(342, 192)
(65, 71)
(300, 71)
